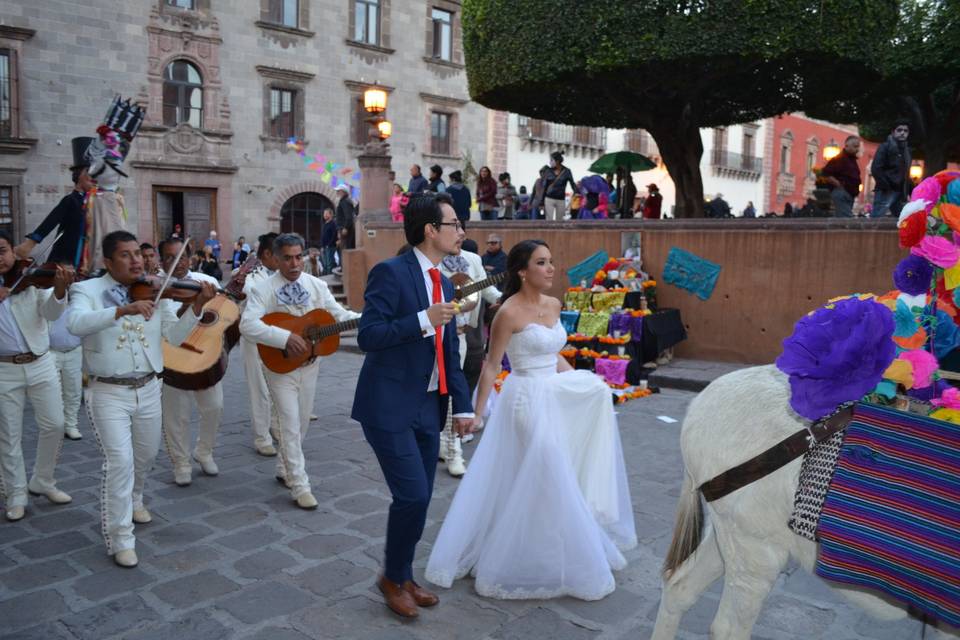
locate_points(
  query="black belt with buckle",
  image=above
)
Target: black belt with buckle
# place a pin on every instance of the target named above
(21, 358)
(133, 383)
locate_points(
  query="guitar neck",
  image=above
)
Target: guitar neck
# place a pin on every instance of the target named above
(319, 333)
(473, 287)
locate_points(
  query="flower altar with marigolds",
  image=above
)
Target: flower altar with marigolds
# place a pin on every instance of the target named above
(604, 324)
(890, 517)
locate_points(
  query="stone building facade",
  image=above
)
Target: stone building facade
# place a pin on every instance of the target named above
(225, 85)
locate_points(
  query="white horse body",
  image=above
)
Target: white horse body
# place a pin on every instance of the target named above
(745, 539)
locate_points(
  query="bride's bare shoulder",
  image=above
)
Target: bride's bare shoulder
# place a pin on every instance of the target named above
(551, 303)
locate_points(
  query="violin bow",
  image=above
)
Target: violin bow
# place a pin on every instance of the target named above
(176, 261)
(26, 270)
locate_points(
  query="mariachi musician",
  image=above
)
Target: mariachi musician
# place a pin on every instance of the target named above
(294, 292)
(28, 370)
(177, 405)
(123, 354)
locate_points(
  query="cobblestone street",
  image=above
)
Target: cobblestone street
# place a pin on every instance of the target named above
(232, 557)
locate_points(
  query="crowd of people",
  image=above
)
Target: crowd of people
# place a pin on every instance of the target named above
(554, 195)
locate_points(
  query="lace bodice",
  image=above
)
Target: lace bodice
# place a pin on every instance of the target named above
(533, 350)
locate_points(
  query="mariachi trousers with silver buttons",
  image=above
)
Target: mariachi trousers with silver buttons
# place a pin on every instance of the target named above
(292, 397)
(38, 381)
(70, 366)
(262, 418)
(450, 446)
(127, 424)
(177, 408)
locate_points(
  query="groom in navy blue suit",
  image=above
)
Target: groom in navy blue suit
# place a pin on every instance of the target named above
(406, 383)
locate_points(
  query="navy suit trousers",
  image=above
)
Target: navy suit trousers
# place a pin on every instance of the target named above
(408, 459)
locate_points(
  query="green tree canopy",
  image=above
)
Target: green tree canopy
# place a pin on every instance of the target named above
(671, 67)
(920, 81)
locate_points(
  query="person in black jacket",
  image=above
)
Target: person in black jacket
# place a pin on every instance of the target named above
(460, 194)
(328, 242)
(345, 218)
(890, 170)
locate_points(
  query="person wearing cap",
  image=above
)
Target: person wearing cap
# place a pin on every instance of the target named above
(651, 207)
(69, 215)
(460, 194)
(554, 202)
(345, 218)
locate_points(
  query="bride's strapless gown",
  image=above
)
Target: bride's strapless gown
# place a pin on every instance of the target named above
(544, 508)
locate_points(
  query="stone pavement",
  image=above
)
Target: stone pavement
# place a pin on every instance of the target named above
(231, 557)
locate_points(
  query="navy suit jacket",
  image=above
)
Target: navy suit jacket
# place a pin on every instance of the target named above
(400, 360)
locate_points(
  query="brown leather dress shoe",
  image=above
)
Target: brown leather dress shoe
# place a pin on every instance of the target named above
(397, 598)
(421, 596)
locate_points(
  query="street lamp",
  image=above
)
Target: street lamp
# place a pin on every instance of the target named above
(831, 151)
(375, 104)
(916, 171)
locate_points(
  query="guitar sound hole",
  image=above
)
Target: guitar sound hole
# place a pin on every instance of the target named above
(208, 318)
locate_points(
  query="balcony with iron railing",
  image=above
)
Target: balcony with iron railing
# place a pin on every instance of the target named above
(587, 138)
(736, 164)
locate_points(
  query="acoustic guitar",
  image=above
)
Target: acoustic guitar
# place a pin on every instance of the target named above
(322, 331)
(201, 359)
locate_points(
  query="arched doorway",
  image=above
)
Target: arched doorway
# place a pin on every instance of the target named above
(303, 214)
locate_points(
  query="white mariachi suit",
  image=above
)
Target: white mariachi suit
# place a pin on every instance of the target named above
(24, 331)
(291, 394)
(262, 418)
(472, 265)
(177, 408)
(124, 410)
(68, 355)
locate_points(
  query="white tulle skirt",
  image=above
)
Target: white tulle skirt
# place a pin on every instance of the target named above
(544, 508)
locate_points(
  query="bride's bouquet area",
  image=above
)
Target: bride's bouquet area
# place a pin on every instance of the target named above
(604, 322)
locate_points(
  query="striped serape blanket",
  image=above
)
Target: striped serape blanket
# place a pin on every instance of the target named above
(891, 519)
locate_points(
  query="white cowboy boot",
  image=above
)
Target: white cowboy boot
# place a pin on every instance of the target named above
(453, 455)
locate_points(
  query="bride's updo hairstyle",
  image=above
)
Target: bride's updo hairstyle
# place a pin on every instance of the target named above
(517, 260)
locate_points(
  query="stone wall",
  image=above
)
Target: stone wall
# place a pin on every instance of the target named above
(773, 271)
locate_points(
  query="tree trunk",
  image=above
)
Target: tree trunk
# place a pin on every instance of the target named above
(681, 148)
(935, 141)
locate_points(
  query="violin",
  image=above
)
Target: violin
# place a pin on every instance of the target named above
(147, 288)
(25, 273)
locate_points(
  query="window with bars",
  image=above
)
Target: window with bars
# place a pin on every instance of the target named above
(440, 133)
(6, 209)
(182, 95)
(283, 117)
(6, 94)
(283, 12)
(442, 34)
(366, 15)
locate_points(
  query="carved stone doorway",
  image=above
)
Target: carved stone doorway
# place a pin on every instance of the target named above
(195, 210)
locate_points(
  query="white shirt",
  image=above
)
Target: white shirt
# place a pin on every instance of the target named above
(425, 327)
(60, 337)
(12, 341)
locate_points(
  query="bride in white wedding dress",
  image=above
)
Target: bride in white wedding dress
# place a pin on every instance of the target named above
(544, 509)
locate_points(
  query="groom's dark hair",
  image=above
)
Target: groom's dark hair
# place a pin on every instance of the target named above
(423, 209)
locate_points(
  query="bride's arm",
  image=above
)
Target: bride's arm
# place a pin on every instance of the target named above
(562, 364)
(500, 332)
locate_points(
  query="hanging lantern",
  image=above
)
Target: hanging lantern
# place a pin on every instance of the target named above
(385, 129)
(375, 100)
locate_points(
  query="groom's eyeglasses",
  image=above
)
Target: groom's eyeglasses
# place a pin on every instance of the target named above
(457, 225)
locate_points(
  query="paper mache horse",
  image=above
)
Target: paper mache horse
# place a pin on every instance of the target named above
(883, 349)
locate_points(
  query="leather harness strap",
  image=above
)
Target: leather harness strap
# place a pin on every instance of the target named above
(776, 456)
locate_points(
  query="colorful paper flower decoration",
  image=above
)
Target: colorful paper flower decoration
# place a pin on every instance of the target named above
(913, 275)
(938, 250)
(837, 355)
(929, 191)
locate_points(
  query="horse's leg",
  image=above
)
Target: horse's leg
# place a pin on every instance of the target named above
(752, 567)
(685, 584)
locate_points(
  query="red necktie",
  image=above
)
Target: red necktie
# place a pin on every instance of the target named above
(437, 298)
